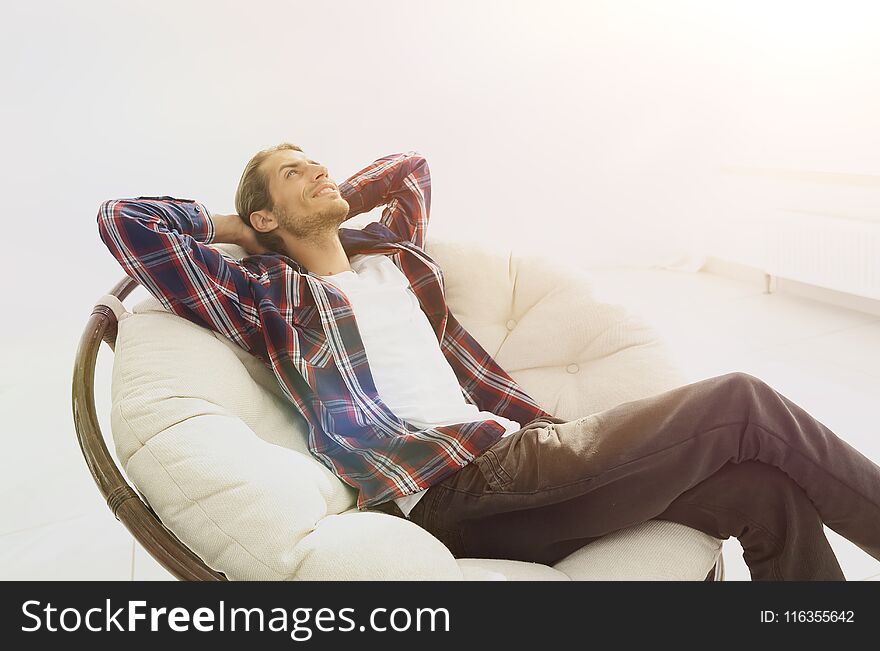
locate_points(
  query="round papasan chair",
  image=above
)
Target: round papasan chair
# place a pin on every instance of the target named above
(213, 477)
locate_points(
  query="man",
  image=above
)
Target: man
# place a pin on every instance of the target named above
(404, 405)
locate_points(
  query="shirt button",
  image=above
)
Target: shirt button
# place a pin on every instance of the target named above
(511, 324)
(572, 368)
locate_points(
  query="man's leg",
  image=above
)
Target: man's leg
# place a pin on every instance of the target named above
(775, 522)
(547, 490)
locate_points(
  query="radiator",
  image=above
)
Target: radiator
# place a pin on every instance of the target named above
(831, 252)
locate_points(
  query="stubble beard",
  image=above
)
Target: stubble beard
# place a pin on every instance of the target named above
(314, 227)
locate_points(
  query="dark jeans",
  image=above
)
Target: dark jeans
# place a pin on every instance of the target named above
(729, 456)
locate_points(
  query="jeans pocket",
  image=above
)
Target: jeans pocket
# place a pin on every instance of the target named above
(518, 463)
(492, 470)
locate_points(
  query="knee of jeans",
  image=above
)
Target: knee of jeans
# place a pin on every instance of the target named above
(743, 389)
(740, 378)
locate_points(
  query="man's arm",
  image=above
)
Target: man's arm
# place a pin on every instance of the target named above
(161, 243)
(403, 182)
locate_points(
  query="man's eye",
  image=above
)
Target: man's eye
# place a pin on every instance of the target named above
(289, 172)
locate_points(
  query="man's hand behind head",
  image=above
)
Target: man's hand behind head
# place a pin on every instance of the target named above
(248, 240)
(232, 230)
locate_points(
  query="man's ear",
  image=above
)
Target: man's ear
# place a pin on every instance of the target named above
(263, 221)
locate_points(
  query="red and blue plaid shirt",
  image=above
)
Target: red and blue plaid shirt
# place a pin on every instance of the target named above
(304, 329)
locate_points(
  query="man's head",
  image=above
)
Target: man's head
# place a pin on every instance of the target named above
(281, 194)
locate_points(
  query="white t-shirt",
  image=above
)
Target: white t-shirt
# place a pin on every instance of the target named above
(409, 370)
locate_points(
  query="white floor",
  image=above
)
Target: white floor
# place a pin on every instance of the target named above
(826, 358)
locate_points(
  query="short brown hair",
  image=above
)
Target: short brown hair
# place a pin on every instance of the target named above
(253, 194)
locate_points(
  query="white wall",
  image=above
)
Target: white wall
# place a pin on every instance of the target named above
(594, 129)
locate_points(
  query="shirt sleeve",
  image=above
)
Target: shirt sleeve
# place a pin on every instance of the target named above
(161, 242)
(403, 182)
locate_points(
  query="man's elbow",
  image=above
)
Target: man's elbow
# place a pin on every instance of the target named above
(421, 170)
(417, 157)
(105, 212)
(110, 214)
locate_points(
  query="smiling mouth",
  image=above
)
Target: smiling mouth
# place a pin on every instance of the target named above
(325, 192)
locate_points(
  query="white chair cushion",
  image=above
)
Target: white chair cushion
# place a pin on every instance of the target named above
(539, 320)
(675, 553)
(203, 431)
(492, 569)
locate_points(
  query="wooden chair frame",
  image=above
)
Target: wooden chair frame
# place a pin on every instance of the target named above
(124, 501)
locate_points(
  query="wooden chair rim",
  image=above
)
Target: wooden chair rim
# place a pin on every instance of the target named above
(123, 501)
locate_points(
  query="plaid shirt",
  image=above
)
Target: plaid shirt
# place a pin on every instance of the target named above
(304, 329)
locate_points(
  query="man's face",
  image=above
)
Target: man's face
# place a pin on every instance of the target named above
(307, 202)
